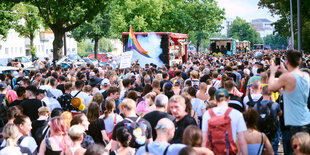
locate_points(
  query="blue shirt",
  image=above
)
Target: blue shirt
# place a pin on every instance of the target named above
(158, 148)
(296, 112)
(275, 108)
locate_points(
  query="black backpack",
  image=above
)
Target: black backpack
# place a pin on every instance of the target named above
(251, 103)
(138, 130)
(266, 123)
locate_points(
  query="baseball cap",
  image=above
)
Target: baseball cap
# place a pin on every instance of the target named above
(176, 82)
(105, 82)
(221, 93)
(168, 85)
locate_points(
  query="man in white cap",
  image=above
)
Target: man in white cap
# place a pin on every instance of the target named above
(105, 85)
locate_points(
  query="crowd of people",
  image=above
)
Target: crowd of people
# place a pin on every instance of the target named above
(225, 104)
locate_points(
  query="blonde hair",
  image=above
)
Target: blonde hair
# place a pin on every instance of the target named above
(10, 133)
(76, 132)
(177, 99)
(87, 89)
(304, 139)
(43, 111)
(67, 117)
(128, 104)
(194, 74)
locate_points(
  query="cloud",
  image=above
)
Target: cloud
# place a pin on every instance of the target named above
(246, 9)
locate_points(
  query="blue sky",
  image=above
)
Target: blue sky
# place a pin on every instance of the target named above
(246, 9)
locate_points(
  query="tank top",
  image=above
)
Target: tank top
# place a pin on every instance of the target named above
(256, 148)
(49, 150)
(295, 102)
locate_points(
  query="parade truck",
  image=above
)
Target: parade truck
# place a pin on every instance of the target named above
(156, 47)
(228, 46)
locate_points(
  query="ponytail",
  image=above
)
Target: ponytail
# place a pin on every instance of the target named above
(109, 106)
(11, 141)
(106, 113)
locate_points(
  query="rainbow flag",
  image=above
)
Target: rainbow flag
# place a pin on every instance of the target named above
(134, 44)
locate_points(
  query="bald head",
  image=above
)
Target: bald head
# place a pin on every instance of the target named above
(165, 129)
(164, 124)
(203, 86)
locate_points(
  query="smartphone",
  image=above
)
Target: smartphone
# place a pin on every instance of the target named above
(278, 60)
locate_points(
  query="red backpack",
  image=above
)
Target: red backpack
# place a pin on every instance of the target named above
(219, 138)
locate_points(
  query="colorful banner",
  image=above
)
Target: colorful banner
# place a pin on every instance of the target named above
(134, 44)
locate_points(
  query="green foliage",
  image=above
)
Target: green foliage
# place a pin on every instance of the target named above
(32, 21)
(198, 18)
(93, 30)
(275, 41)
(105, 45)
(282, 26)
(33, 51)
(64, 15)
(84, 48)
(7, 17)
(241, 30)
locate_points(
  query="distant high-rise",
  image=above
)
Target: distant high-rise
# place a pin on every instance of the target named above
(263, 26)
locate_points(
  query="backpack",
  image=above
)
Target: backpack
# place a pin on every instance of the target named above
(77, 102)
(3, 109)
(195, 84)
(266, 122)
(219, 135)
(251, 103)
(138, 131)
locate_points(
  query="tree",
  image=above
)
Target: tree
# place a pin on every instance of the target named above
(7, 17)
(62, 16)
(241, 30)
(275, 41)
(282, 26)
(93, 30)
(84, 48)
(105, 45)
(198, 18)
(32, 21)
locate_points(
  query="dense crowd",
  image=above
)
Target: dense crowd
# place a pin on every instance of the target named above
(228, 104)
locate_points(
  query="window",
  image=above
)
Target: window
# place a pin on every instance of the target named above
(12, 50)
(6, 51)
(15, 50)
(20, 50)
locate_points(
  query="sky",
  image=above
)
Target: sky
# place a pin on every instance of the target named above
(246, 9)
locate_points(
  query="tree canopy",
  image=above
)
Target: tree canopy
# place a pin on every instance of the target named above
(199, 18)
(282, 26)
(275, 41)
(7, 17)
(241, 30)
(31, 22)
(94, 30)
(65, 15)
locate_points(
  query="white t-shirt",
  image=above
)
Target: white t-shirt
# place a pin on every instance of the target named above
(198, 105)
(237, 120)
(255, 97)
(56, 92)
(86, 97)
(27, 142)
(51, 103)
(8, 150)
(109, 122)
(122, 94)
